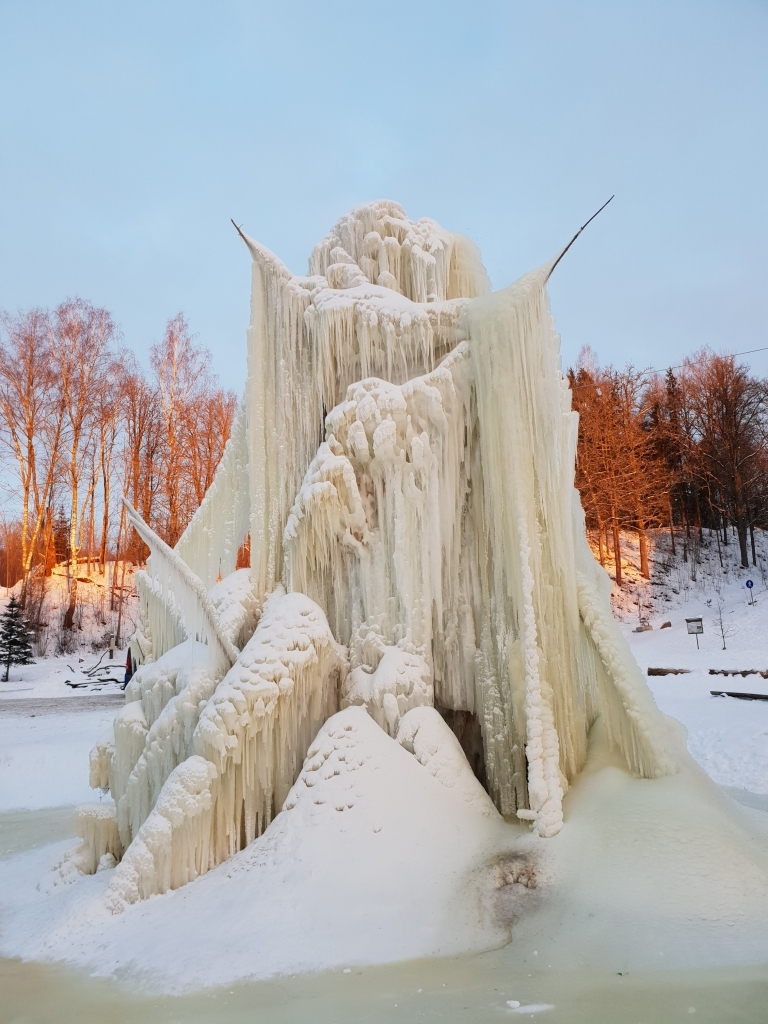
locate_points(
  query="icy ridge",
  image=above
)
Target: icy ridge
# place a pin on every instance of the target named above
(160, 627)
(210, 543)
(189, 597)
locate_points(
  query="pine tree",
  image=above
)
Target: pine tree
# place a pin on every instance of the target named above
(15, 648)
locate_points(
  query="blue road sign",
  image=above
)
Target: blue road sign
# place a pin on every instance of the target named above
(749, 584)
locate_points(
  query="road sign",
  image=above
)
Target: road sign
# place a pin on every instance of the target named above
(695, 625)
(749, 584)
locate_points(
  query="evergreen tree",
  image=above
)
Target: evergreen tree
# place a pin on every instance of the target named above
(15, 648)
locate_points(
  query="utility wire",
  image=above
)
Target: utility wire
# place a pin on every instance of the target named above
(645, 373)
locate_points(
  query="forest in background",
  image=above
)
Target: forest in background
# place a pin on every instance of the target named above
(81, 424)
(683, 450)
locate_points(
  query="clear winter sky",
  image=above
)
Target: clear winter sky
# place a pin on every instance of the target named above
(131, 132)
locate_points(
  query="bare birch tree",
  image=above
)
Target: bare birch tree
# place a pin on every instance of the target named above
(181, 374)
(82, 357)
(32, 411)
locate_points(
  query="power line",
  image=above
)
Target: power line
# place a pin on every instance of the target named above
(645, 373)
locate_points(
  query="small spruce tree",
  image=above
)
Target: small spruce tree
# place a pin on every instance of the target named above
(15, 648)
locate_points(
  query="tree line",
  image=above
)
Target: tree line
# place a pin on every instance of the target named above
(684, 450)
(82, 423)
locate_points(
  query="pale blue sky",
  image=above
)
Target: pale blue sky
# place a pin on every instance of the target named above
(131, 132)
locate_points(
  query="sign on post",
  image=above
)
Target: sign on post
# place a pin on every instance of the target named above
(749, 584)
(696, 626)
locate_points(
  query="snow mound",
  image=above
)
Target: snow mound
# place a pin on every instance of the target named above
(372, 860)
(424, 733)
(401, 681)
(376, 859)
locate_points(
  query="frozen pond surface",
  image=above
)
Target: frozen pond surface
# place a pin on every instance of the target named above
(463, 989)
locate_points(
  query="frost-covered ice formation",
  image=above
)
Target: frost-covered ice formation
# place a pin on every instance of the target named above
(403, 464)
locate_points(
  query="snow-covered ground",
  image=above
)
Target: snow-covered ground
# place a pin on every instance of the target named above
(728, 737)
(406, 869)
(67, 675)
(44, 757)
(43, 748)
(376, 859)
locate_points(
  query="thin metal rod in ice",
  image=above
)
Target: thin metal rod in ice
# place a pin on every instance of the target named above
(237, 229)
(565, 250)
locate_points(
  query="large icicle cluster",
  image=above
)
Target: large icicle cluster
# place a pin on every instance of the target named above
(310, 338)
(376, 528)
(558, 655)
(243, 755)
(403, 463)
(397, 532)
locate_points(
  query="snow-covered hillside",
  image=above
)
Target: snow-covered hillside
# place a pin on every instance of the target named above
(727, 736)
(76, 661)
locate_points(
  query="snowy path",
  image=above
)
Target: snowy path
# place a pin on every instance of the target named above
(34, 706)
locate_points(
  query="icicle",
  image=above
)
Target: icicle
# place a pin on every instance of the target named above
(527, 439)
(159, 627)
(100, 762)
(210, 543)
(182, 589)
(249, 745)
(97, 827)
(130, 731)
